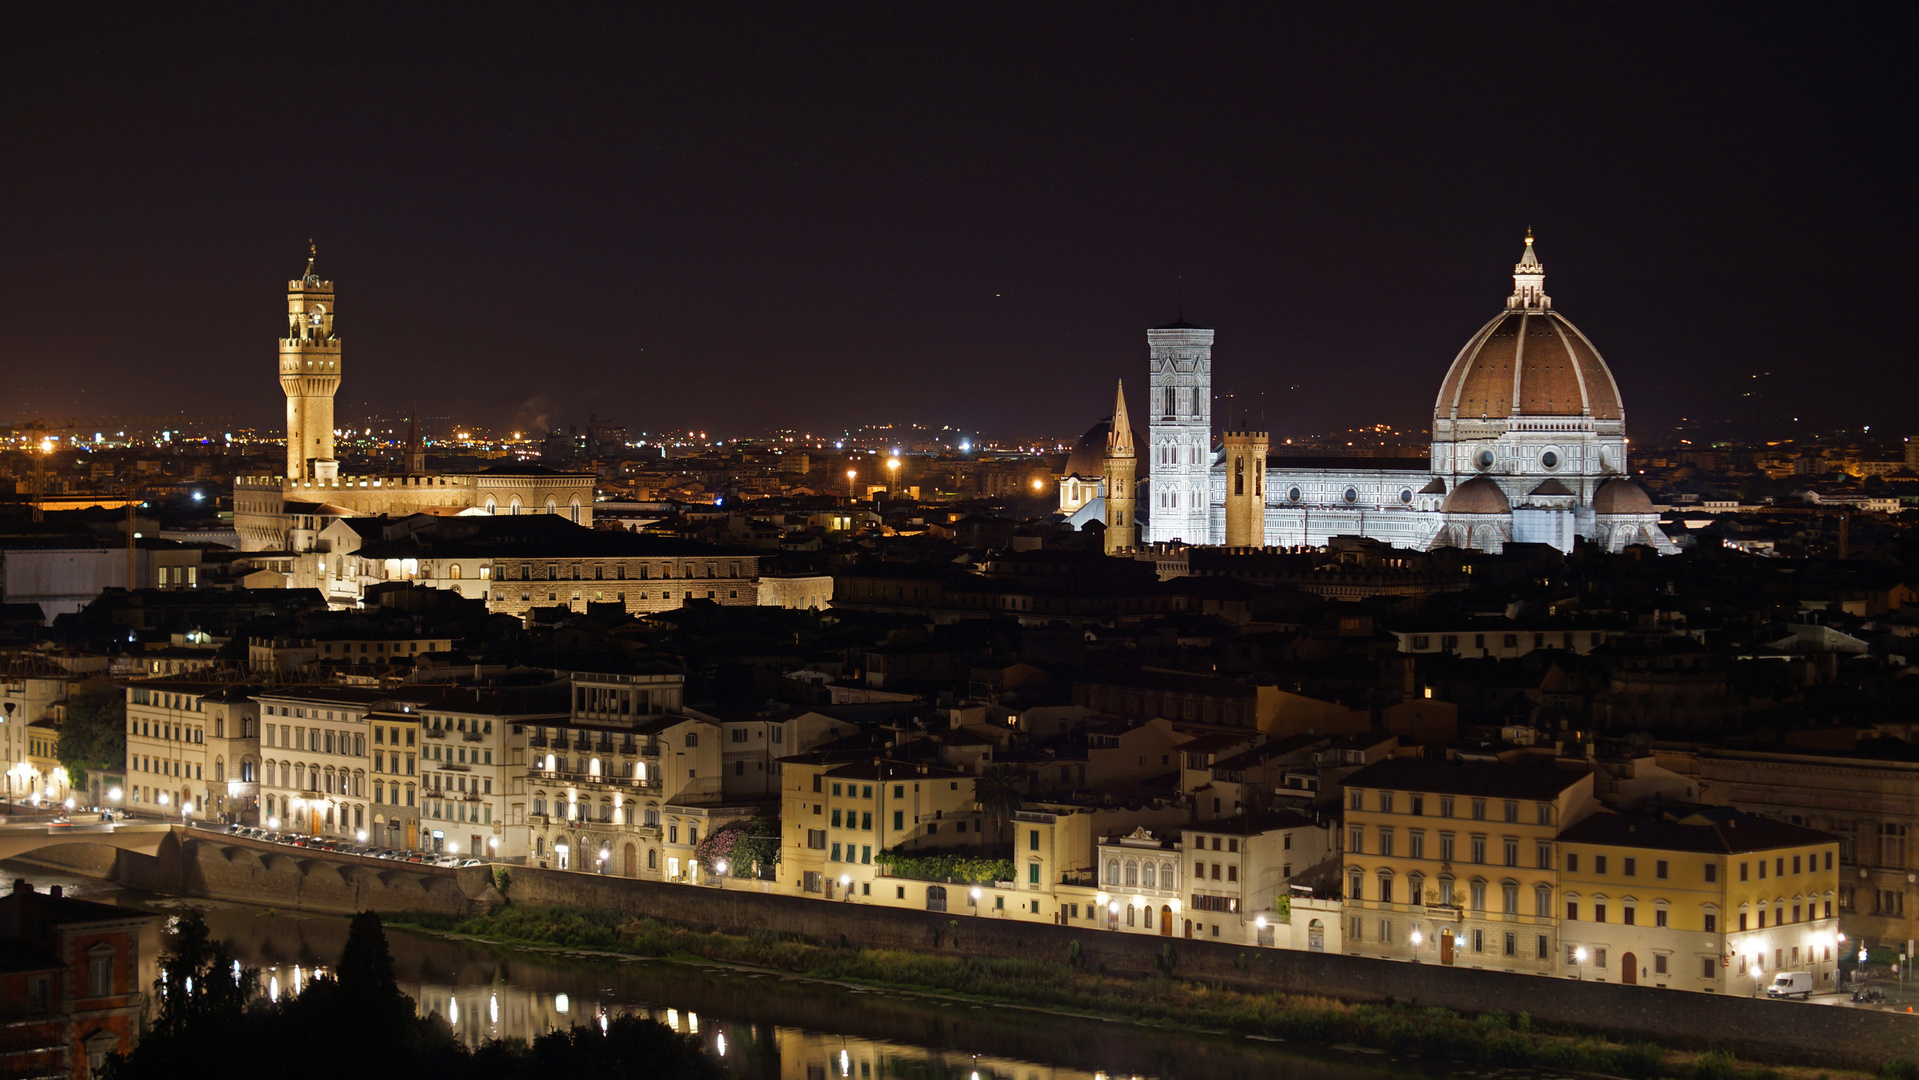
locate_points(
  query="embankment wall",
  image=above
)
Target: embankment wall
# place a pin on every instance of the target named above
(228, 868)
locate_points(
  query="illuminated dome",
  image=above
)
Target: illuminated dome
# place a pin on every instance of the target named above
(1528, 361)
(1476, 496)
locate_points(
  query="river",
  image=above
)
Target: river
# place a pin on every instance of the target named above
(762, 1026)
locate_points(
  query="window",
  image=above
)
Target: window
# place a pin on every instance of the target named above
(1599, 864)
(1479, 849)
(1659, 868)
(1385, 842)
(1659, 918)
(1479, 809)
(100, 971)
(1512, 944)
(1385, 802)
(1545, 813)
(1355, 800)
(1599, 912)
(1445, 847)
(1742, 871)
(1545, 948)
(1478, 894)
(1512, 851)
(1512, 815)
(1712, 923)
(1445, 806)
(1629, 915)
(1572, 911)
(1418, 806)
(1712, 873)
(1509, 899)
(1356, 840)
(1705, 966)
(1572, 862)
(1542, 901)
(1415, 843)
(1631, 867)
(1543, 855)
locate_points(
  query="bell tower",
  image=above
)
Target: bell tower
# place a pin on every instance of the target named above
(1122, 470)
(310, 375)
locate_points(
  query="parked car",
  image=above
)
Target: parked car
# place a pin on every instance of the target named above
(468, 862)
(1788, 984)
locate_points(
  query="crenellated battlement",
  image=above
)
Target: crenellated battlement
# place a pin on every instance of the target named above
(305, 285)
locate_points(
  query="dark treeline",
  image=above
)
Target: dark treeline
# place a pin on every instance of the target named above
(358, 1019)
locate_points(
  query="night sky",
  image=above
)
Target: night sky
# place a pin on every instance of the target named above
(746, 217)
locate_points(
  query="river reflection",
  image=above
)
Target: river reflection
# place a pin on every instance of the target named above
(759, 1025)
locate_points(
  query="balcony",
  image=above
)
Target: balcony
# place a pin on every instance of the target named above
(538, 742)
(433, 733)
(650, 749)
(629, 748)
(470, 736)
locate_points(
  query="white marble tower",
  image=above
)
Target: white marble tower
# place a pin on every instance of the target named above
(1179, 403)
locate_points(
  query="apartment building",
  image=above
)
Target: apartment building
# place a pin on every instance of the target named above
(193, 747)
(1697, 898)
(1455, 863)
(469, 774)
(1863, 790)
(315, 745)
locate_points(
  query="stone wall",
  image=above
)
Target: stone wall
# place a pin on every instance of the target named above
(231, 868)
(1753, 1029)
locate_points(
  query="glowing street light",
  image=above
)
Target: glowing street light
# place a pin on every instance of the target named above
(850, 474)
(892, 483)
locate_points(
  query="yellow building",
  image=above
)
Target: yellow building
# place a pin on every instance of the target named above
(1454, 864)
(1704, 899)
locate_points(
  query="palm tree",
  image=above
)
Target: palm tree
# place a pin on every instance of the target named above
(997, 791)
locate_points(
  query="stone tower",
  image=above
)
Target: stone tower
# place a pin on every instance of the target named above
(1245, 488)
(1179, 401)
(1122, 470)
(413, 459)
(310, 375)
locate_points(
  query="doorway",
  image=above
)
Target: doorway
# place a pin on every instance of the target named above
(1446, 947)
(631, 861)
(1166, 922)
(1629, 969)
(1315, 936)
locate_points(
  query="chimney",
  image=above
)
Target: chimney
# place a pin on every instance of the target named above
(57, 892)
(22, 885)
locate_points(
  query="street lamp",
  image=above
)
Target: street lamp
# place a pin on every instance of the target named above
(850, 474)
(1579, 963)
(892, 482)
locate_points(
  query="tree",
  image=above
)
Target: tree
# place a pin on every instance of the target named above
(94, 734)
(997, 791)
(366, 975)
(199, 979)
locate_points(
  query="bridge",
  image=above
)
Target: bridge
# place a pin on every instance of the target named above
(140, 837)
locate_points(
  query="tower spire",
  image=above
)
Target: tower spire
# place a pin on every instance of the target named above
(1119, 438)
(1529, 281)
(313, 252)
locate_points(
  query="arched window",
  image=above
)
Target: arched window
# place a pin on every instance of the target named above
(1112, 871)
(573, 513)
(1167, 879)
(515, 507)
(453, 571)
(1385, 886)
(1132, 874)
(1148, 876)
(552, 507)
(492, 505)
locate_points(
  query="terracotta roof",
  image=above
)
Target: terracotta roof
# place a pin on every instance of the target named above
(1476, 496)
(1532, 363)
(1621, 496)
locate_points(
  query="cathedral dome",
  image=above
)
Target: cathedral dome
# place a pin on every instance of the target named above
(1088, 458)
(1621, 496)
(1476, 496)
(1528, 361)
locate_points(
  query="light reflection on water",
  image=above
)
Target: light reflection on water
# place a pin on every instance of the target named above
(758, 1024)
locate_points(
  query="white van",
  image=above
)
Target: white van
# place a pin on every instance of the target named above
(1791, 984)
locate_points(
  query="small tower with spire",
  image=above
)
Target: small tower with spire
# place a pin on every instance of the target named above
(1245, 488)
(310, 376)
(414, 463)
(1122, 471)
(1529, 282)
